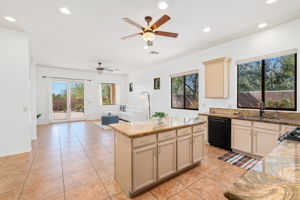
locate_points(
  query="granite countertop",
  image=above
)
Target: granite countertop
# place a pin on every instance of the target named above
(289, 122)
(138, 129)
(276, 176)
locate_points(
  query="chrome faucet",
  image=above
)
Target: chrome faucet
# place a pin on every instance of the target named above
(261, 109)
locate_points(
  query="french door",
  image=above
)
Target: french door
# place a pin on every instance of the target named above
(66, 100)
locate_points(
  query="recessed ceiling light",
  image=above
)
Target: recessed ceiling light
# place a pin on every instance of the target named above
(270, 1)
(206, 30)
(163, 5)
(262, 25)
(65, 11)
(9, 18)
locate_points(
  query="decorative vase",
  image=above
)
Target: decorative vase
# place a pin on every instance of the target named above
(159, 120)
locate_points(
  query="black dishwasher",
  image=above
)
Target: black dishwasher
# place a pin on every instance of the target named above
(219, 132)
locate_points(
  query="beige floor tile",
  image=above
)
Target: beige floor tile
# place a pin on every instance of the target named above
(189, 177)
(91, 191)
(20, 170)
(76, 166)
(8, 183)
(36, 176)
(207, 167)
(144, 196)
(111, 186)
(48, 163)
(43, 190)
(60, 196)
(186, 194)
(208, 189)
(104, 172)
(167, 189)
(11, 195)
(79, 178)
(227, 175)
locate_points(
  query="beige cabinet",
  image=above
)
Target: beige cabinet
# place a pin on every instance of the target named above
(145, 161)
(198, 147)
(205, 127)
(166, 158)
(184, 152)
(144, 166)
(217, 78)
(264, 141)
(241, 138)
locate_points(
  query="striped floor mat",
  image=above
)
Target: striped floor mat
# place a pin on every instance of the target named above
(240, 160)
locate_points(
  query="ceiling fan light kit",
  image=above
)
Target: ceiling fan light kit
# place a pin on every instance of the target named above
(148, 33)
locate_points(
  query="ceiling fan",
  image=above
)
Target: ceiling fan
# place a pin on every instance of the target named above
(101, 69)
(150, 31)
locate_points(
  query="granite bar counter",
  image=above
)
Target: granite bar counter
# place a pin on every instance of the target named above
(276, 176)
(137, 129)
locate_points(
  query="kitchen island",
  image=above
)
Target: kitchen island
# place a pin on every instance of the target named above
(148, 153)
(276, 176)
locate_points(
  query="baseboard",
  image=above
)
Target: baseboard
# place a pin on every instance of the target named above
(16, 152)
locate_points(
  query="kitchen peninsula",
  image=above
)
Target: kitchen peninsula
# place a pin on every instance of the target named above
(147, 153)
(276, 176)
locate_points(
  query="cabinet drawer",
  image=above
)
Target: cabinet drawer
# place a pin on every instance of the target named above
(184, 131)
(140, 141)
(238, 122)
(198, 128)
(268, 126)
(166, 135)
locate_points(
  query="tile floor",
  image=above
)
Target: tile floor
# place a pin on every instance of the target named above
(75, 161)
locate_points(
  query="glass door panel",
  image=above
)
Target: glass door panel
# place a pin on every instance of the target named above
(59, 100)
(77, 100)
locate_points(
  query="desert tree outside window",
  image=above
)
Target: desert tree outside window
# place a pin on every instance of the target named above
(185, 92)
(272, 81)
(108, 91)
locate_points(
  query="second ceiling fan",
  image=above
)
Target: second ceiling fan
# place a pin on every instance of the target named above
(150, 31)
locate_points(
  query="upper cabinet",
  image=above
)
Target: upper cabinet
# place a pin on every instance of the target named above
(217, 78)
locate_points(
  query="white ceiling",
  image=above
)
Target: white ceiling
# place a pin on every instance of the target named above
(92, 33)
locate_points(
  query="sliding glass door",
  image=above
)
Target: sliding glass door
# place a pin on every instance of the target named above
(77, 100)
(67, 100)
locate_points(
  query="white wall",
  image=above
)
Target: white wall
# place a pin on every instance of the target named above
(15, 124)
(280, 38)
(93, 108)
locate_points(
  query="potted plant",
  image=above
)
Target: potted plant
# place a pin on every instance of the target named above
(159, 116)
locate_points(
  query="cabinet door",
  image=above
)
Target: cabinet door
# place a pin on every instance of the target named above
(184, 152)
(144, 166)
(166, 155)
(214, 80)
(264, 141)
(198, 147)
(241, 138)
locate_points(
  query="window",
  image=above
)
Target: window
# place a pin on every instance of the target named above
(184, 92)
(272, 81)
(108, 93)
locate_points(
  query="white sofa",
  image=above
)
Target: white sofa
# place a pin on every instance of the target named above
(132, 114)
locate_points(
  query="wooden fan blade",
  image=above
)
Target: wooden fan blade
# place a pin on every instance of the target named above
(129, 21)
(167, 34)
(130, 36)
(160, 22)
